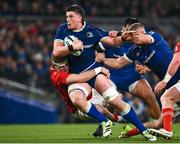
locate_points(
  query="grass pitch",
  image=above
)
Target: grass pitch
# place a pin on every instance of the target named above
(70, 133)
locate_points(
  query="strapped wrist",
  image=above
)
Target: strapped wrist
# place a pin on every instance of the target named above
(98, 70)
(70, 48)
(167, 78)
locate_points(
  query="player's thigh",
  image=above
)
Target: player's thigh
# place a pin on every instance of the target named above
(79, 91)
(142, 89)
(102, 83)
(97, 98)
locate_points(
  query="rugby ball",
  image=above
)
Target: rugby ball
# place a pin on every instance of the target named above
(68, 40)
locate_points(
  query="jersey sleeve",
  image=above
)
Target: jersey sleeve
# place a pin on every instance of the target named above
(129, 55)
(59, 77)
(60, 33)
(156, 38)
(63, 76)
(101, 33)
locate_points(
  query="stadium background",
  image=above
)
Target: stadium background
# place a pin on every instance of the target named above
(27, 30)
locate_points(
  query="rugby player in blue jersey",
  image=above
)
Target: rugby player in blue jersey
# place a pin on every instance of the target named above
(150, 49)
(87, 38)
(127, 78)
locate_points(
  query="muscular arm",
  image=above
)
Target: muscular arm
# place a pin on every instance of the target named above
(59, 49)
(116, 62)
(172, 69)
(85, 76)
(174, 65)
(116, 41)
(142, 39)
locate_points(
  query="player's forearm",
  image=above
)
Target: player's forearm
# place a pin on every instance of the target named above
(116, 41)
(60, 51)
(143, 39)
(83, 77)
(172, 69)
(112, 62)
(116, 62)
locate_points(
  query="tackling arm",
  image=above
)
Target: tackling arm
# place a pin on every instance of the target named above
(87, 75)
(173, 67)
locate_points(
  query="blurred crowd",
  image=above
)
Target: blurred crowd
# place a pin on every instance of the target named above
(25, 51)
(26, 46)
(136, 8)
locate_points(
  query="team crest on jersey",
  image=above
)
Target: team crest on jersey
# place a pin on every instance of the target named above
(89, 34)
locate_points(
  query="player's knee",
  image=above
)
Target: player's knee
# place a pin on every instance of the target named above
(166, 99)
(163, 99)
(110, 94)
(77, 99)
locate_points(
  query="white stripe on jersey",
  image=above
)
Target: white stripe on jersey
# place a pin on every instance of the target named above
(88, 46)
(89, 66)
(125, 56)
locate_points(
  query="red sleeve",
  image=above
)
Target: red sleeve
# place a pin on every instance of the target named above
(177, 48)
(59, 77)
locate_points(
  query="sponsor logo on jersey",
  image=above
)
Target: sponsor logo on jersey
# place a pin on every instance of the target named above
(149, 57)
(116, 56)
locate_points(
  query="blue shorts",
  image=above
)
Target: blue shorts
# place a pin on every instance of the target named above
(123, 81)
(91, 82)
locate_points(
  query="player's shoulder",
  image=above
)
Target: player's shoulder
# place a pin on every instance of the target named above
(152, 33)
(89, 26)
(63, 26)
(92, 27)
(156, 36)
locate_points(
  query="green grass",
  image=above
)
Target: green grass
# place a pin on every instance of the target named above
(69, 133)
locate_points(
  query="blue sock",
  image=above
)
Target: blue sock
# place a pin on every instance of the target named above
(94, 113)
(133, 118)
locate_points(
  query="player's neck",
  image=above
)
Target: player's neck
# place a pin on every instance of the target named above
(80, 27)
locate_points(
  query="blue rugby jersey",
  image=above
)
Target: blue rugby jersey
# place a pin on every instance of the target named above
(89, 35)
(156, 56)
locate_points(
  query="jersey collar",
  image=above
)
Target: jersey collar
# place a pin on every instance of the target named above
(81, 28)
